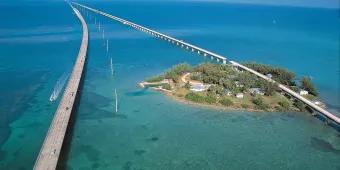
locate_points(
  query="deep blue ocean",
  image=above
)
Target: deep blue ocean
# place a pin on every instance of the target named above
(39, 42)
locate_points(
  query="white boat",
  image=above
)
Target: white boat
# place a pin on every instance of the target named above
(59, 86)
(53, 97)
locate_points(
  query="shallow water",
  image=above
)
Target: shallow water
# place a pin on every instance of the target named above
(150, 131)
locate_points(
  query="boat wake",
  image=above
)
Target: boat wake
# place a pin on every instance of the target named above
(59, 86)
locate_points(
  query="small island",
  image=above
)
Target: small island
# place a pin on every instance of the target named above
(228, 87)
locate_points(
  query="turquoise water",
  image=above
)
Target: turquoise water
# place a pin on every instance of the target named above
(150, 131)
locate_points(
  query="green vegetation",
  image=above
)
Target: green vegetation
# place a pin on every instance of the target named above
(306, 83)
(284, 105)
(260, 104)
(210, 99)
(157, 85)
(166, 86)
(226, 102)
(196, 76)
(216, 89)
(244, 106)
(269, 88)
(199, 98)
(212, 73)
(177, 70)
(155, 79)
(300, 105)
(280, 75)
(187, 85)
(195, 97)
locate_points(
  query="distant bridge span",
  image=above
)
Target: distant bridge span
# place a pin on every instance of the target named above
(219, 58)
(181, 43)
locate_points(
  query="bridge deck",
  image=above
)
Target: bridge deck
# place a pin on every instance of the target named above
(49, 153)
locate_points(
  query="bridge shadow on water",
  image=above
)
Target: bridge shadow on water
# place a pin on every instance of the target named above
(65, 150)
(330, 123)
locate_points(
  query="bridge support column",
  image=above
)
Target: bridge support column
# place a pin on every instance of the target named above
(327, 121)
(198, 52)
(187, 48)
(212, 57)
(205, 54)
(313, 113)
(217, 59)
(224, 61)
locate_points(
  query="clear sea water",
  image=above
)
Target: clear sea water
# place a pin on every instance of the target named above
(40, 40)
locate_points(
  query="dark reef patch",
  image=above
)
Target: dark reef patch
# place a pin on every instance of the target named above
(95, 165)
(139, 152)
(90, 152)
(17, 97)
(153, 139)
(238, 119)
(137, 93)
(127, 165)
(120, 116)
(323, 145)
(21, 136)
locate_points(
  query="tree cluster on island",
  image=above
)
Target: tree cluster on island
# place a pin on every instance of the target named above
(225, 81)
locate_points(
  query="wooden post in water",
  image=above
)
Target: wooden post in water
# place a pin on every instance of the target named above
(116, 101)
(107, 46)
(111, 65)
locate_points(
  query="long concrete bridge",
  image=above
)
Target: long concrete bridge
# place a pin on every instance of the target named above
(50, 151)
(175, 41)
(219, 58)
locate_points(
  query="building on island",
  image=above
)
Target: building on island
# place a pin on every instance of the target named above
(198, 87)
(269, 75)
(238, 84)
(227, 92)
(256, 91)
(303, 92)
(239, 95)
